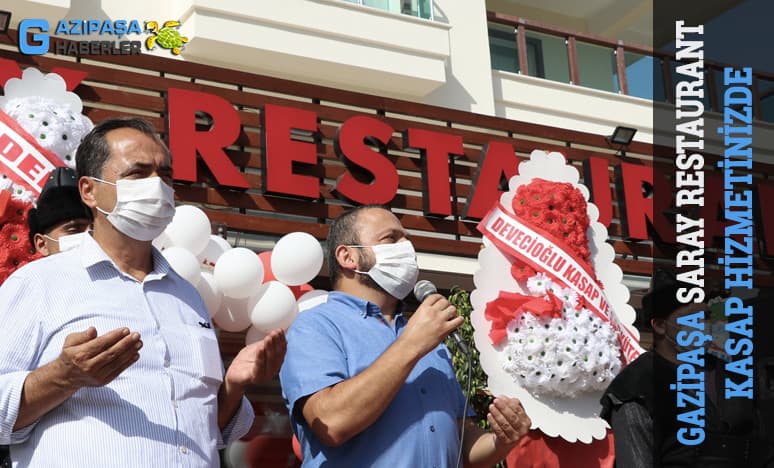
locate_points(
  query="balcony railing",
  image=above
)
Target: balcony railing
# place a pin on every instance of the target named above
(530, 48)
(418, 8)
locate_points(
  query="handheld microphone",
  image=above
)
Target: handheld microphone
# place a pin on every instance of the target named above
(425, 288)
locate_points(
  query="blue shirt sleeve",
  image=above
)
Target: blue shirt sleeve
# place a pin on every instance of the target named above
(314, 359)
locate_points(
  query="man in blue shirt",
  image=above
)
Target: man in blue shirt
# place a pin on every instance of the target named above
(367, 387)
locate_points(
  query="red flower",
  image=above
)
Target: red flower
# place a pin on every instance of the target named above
(558, 209)
(509, 306)
(521, 271)
(15, 250)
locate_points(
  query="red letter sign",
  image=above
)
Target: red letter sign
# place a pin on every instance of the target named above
(350, 147)
(280, 151)
(435, 148)
(185, 141)
(498, 160)
(636, 210)
(597, 178)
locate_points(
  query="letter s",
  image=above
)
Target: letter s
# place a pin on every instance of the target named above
(39, 45)
(694, 338)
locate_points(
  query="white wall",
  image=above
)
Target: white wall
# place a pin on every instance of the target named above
(468, 84)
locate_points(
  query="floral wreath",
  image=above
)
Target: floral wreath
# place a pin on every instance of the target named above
(39, 109)
(542, 337)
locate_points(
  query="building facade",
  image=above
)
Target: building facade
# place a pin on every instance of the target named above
(280, 115)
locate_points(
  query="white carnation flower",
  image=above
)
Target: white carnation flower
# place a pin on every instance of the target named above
(539, 284)
(569, 298)
(562, 356)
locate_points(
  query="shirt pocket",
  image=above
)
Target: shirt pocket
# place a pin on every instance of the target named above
(205, 347)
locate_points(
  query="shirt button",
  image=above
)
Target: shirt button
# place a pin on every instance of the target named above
(422, 390)
(174, 403)
(183, 449)
(432, 428)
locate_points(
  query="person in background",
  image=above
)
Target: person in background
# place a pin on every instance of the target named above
(365, 386)
(642, 409)
(59, 214)
(108, 356)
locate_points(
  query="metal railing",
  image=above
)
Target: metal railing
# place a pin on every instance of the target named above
(558, 54)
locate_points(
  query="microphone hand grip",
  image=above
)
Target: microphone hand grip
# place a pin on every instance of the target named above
(425, 288)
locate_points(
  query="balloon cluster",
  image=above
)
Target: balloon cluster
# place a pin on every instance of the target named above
(242, 290)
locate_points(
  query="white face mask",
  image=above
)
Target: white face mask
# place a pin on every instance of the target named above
(144, 207)
(396, 269)
(69, 241)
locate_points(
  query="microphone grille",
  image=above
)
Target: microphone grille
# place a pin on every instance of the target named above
(423, 289)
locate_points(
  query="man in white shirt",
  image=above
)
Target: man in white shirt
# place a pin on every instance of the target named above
(58, 220)
(108, 356)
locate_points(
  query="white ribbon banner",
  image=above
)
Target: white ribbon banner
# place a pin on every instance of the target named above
(524, 243)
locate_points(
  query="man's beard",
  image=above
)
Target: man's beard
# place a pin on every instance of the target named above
(364, 264)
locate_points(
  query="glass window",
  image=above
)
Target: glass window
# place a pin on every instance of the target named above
(596, 67)
(677, 77)
(717, 91)
(418, 8)
(547, 57)
(502, 48)
(659, 81)
(766, 97)
(639, 75)
(386, 5)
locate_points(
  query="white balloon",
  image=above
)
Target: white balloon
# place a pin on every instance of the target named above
(234, 314)
(296, 259)
(236, 454)
(190, 228)
(211, 295)
(239, 273)
(162, 242)
(254, 335)
(215, 247)
(184, 263)
(275, 308)
(311, 299)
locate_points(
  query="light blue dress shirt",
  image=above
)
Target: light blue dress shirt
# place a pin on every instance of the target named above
(339, 339)
(161, 411)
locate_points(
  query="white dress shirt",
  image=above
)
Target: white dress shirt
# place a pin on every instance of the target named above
(161, 411)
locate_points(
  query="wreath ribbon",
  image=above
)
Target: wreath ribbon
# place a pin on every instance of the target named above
(22, 159)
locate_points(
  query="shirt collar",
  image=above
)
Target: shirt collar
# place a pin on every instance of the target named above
(363, 307)
(92, 254)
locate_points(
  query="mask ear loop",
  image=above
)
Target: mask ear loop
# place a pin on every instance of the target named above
(359, 247)
(104, 182)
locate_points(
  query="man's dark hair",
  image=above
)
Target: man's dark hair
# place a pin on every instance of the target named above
(343, 231)
(93, 152)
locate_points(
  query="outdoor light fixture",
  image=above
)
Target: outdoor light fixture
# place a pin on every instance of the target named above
(5, 21)
(622, 135)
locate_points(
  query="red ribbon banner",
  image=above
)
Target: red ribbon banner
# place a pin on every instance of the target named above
(22, 159)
